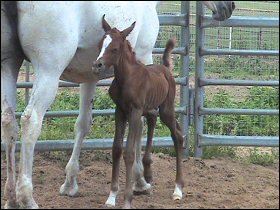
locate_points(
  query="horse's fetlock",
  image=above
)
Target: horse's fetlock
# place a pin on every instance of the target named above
(72, 169)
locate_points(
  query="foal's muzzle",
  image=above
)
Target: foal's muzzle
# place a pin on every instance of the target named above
(98, 66)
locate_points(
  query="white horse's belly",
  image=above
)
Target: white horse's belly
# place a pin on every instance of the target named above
(80, 68)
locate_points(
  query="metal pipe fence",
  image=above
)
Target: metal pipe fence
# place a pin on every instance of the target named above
(181, 20)
(192, 108)
(201, 139)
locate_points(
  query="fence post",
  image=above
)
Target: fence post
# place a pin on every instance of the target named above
(199, 73)
(185, 66)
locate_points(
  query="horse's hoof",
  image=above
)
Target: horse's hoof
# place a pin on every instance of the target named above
(177, 197)
(110, 203)
(178, 194)
(67, 190)
(145, 190)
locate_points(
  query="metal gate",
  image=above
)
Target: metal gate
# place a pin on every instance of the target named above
(202, 139)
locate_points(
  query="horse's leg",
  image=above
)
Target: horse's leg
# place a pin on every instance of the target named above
(120, 125)
(50, 46)
(9, 127)
(147, 160)
(43, 94)
(82, 128)
(140, 185)
(129, 153)
(167, 116)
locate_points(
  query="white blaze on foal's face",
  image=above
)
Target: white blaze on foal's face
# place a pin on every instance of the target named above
(106, 43)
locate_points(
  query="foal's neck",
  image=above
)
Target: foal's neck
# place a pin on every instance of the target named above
(126, 64)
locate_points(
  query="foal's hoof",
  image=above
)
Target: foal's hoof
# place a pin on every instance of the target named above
(145, 190)
(177, 197)
(178, 194)
(111, 202)
(108, 204)
(69, 190)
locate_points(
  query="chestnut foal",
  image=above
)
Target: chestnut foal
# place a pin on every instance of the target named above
(137, 91)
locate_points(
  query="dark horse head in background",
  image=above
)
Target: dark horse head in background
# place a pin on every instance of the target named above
(221, 10)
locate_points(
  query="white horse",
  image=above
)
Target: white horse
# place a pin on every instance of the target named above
(60, 39)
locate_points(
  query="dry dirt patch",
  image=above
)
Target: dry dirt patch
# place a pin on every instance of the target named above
(214, 183)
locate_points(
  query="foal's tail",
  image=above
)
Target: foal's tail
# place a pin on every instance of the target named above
(167, 54)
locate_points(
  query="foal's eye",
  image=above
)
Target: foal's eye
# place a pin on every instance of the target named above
(115, 50)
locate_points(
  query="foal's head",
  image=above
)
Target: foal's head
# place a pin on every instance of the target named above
(111, 46)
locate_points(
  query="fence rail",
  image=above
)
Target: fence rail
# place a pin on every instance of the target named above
(88, 144)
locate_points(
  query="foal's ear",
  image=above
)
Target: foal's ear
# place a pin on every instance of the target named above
(127, 31)
(105, 24)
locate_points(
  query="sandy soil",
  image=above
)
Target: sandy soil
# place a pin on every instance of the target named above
(214, 183)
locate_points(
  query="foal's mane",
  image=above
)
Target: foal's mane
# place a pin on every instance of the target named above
(132, 56)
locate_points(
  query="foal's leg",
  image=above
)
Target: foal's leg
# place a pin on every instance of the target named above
(82, 128)
(140, 184)
(9, 127)
(120, 125)
(147, 160)
(143, 49)
(129, 153)
(167, 115)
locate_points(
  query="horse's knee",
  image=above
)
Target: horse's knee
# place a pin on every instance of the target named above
(7, 117)
(117, 150)
(83, 124)
(129, 157)
(8, 126)
(31, 123)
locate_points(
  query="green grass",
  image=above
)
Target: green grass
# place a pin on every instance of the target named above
(257, 156)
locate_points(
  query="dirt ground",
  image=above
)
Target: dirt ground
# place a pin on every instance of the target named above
(214, 183)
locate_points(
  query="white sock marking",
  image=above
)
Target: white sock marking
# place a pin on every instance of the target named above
(111, 201)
